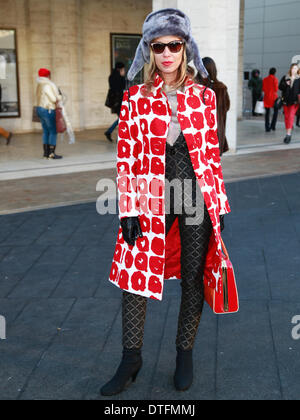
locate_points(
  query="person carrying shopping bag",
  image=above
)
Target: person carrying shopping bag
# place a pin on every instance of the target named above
(255, 85)
(167, 134)
(47, 97)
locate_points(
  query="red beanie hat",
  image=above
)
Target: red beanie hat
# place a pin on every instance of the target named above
(44, 73)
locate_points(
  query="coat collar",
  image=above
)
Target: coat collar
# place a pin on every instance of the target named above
(159, 83)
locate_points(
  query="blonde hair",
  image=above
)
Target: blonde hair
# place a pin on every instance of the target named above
(183, 73)
(291, 68)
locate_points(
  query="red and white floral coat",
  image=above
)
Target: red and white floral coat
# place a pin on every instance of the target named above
(141, 269)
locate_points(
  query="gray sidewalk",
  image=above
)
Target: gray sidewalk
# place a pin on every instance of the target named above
(64, 318)
(92, 152)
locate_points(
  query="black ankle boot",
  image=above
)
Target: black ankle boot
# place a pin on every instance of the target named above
(129, 368)
(52, 154)
(183, 377)
(287, 139)
(46, 151)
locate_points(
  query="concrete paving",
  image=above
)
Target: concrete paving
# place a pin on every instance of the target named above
(251, 134)
(64, 317)
(92, 152)
(81, 187)
(29, 182)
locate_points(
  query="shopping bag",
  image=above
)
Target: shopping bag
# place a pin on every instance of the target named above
(260, 108)
(61, 126)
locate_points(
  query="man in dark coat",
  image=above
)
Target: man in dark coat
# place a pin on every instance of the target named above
(117, 86)
(255, 84)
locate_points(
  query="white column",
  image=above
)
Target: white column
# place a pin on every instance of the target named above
(241, 61)
(216, 26)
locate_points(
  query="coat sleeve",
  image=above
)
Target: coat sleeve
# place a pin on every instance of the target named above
(127, 163)
(276, 85)
(227, 100)
(214, 160)
(282, 85)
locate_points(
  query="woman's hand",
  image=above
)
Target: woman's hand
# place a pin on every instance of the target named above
(131, 229)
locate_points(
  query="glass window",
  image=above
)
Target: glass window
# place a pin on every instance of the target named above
(123, 50)
(9, 89)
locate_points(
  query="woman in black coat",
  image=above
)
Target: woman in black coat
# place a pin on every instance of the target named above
(117, 86)
(290, 87)
(223, 100)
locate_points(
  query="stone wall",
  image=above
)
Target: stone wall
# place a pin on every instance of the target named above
(72, 38)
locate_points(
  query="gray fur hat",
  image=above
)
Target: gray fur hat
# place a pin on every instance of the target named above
(161, 23)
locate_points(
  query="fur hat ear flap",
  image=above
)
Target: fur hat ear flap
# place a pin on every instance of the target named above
(138, 62)
(198, 60)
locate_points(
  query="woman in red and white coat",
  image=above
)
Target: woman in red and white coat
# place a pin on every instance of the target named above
(167, 137)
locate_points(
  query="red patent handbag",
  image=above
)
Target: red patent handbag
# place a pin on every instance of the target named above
(225, 301)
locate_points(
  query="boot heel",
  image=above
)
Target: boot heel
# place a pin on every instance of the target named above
(135, 376)
(128, 370)
(183, 377)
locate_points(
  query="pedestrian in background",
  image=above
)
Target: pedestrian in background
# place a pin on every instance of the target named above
(270, 89)
(223, 100)
(117, 86)
(290, 87)
(6, 134)
(255, 84)
(47, 97)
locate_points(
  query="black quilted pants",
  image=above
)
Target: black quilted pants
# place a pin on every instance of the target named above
(182, 198)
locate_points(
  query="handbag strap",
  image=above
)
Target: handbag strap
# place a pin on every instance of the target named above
(224, 249)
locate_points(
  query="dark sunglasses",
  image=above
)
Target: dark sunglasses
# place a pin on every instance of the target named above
(174, 47)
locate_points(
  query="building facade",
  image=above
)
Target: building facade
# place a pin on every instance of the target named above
(73, 39)
(272, 34)
(271, 39)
